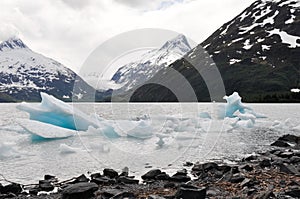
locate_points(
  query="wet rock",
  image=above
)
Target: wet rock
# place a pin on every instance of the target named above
(293, 193)
(34, 190)
(104, 181)
(163, 176)
(266, 195)
(95, 175)
(110, 173)
(237, 178)
(247, 168)
(81, 178)
(286, 155)
(180, 176)
(151, 175)
(280, 143)
(188, 164)
(290, 138)
(12, 188)
(191, 193)
(127, 180)
(50, 178)
(82, 190)
(295, 159)
(45, 185)
(289, 169)
(265, 163)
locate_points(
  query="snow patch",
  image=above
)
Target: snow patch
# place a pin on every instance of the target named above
(286, 38)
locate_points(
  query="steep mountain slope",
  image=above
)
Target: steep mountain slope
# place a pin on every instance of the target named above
(24, 74)
(137, 72)
(257, 54)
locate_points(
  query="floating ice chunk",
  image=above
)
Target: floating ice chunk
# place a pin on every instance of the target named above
(56, 112)
(246, 116)
(245, 123)
(7, 149)
(137, 129)
(105, 129)
(205, 115)
(40, 130)
(233, 104)
(65, 149)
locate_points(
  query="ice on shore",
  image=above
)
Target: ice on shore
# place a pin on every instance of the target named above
(58, 113)
(66, 149)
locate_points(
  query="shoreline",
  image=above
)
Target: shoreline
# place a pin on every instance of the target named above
(271, 174)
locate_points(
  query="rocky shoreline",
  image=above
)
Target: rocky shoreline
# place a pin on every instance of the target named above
(270, 174)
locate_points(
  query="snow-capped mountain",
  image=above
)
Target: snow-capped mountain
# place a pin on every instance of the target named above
(137, 72)
(24, 73)
(257, 54)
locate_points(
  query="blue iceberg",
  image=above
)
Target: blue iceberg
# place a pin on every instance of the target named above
(58, 113)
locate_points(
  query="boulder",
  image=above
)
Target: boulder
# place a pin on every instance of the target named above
(12, 188)
(127, 180)
(82, 190)
(151, 175)
(191, 193)
(110, 173)
(45, 185)
(81, 178)
(280, 143)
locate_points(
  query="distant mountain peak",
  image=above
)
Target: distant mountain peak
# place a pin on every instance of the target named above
(12, 43)
(179, 41)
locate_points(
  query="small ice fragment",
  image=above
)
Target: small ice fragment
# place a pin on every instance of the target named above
(205, 115)
(65, 149)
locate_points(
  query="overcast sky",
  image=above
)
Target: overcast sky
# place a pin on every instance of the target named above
(69, 30)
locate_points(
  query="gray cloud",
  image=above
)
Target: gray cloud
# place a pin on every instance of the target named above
(69, 30)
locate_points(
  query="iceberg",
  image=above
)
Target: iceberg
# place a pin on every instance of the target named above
(41, 131)
(234, 104)
(58, 113)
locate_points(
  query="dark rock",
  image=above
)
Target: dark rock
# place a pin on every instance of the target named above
(182, 172)
(247, 168)
(266, 195)
(82, 190)
(289, 169)
(104, 181)
(34, 190)
(151, 175)
(95, 175)
(163, 176)
(169, 185)
(209, 166)
(188, 164)
(265, 163)
(237, 179)
(250, 158)
(286, 155)
(290, 138)
(295, 160)
(12, 188)
(127, 180)
(50, 178)
(110, 173)
(81, 178)
(280, 143)
(224, 168)
(180, 178)
(188, 193)
(293, 193)
(127, 195)
(45, 185)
